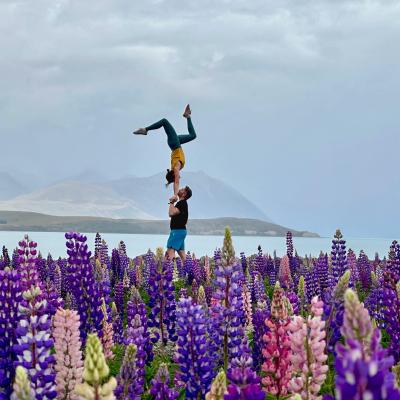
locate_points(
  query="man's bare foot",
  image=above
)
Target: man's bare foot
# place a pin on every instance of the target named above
(140, 131)
(188, 112)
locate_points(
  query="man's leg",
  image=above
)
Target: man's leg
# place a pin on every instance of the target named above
(170, 253)
(192, 133)
(173, 139)
(182, 255)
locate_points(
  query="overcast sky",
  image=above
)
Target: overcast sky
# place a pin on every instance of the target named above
(295, 103)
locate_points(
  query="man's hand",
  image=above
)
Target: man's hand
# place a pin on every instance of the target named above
(173, 199)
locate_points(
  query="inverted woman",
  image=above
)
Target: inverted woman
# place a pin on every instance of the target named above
(175, 143)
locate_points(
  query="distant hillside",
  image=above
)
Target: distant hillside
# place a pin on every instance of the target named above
(9, 186)
(132, 197)
(27, 221)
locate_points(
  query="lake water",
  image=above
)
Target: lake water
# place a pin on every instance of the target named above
(54, 242)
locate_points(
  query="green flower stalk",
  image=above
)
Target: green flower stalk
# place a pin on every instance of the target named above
(95, 373)
(218, 387)
(228, 252)
(301, 294)
(396, 371)
(22, 386)
(357, 323)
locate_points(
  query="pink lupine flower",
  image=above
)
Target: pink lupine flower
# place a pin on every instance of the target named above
(277, 351)
(68, 355)
(308, 356)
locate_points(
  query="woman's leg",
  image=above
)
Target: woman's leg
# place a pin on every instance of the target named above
(173, 140)
(192, 133)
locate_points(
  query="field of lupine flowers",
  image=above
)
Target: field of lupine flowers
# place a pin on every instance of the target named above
(103, 326)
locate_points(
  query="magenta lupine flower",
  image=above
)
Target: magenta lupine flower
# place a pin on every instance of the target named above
(308, 357)
(277, 350)
(284, 275)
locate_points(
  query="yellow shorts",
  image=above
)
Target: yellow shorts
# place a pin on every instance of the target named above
(177, 155)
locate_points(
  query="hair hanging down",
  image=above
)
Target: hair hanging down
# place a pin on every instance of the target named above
(170, 177)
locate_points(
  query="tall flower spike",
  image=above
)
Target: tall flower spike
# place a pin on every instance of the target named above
(127, 375)
(192, 349)
(160, 389)
(10, 298)
(277, 347)
(107, 338)
(34, 343)
(22, 386)
(67, 345)
(218, 387)
(357, 323)
(228, 252)
(308, 356)
(95, 373)
(84, 288)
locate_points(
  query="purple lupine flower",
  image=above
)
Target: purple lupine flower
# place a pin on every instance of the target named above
(192, 349)
(244, 383)
(227, 322)
(312, 285)
(136, 306)
(244, 262)
(97, 245)
(115, 267)
(322, 273)
(162, 304)
(136, 335)
(128, 375)
(195, 290)
(15, 259)
(352, 267)
(10, 297)
(122, 247)
(6, 258)
(62, 263)
(188, 269)
(334, 309)
(260, 329)
(362, 366)
(27, 263)
(84, 288)
(390, 312)
(338, 257)
(34, 343)
(271, 271)
(160, 385)
(364, 271)
(117, 324)
(258, 288)
(119, 298)
(41, 268)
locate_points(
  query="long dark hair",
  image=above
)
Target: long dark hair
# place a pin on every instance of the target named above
(170, 177)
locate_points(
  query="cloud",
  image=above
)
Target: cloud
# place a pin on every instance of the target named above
(286, 92)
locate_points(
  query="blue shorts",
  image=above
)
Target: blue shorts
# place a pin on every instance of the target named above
(176, 239)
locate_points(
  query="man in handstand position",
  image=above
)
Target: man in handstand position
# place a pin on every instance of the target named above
(179, 215)
(175, 142)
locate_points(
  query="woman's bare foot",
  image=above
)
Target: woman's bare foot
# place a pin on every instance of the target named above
(188, 112)
(140, 131)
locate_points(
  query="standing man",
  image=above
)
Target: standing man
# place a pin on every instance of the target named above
(179, 215)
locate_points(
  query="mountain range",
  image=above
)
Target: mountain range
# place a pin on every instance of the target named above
(128, 197)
